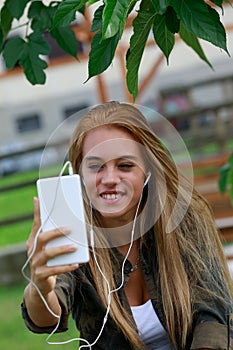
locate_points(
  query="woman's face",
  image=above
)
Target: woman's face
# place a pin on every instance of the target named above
(113, 173)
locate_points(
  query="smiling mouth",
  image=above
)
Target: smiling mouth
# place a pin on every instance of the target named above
(110, 196)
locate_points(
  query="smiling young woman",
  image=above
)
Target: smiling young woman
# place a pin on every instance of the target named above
(175, 290)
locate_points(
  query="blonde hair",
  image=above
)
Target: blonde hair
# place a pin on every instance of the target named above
(185, 256)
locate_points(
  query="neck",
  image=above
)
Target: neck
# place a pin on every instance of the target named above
(118, 221)
(121, 236)
(133, 254)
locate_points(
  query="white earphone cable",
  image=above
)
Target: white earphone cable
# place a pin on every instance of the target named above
(97, 264)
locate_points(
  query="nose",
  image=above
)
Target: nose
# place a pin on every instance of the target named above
(110, 176)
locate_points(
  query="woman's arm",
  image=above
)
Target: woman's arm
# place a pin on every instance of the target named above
(37, 310)
(44, 277)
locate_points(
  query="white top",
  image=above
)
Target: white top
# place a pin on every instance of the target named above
(150, 328)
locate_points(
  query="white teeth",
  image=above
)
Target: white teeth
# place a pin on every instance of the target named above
(110, 196)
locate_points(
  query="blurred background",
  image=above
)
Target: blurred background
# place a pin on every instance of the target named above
(196, 100)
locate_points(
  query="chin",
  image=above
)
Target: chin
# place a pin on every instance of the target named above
(113, 215)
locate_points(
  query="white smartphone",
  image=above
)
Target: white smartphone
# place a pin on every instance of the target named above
(61, 204)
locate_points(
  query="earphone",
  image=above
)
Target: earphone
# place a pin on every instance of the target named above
(147, 178)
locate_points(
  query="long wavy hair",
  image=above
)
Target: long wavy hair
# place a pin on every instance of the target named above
(191, 262)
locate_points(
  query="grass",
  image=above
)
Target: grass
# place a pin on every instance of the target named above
(18, 177)
(27, 176)
(13, 332)
(18, 202)
(15, 233)
(14, 203)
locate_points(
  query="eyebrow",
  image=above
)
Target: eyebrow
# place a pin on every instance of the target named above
(127, 156)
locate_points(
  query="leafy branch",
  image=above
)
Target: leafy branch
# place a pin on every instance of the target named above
(27, 51)
(191, 20)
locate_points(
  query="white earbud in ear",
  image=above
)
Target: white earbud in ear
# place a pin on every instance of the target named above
(147, 178)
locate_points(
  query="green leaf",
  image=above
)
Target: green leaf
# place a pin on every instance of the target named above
(30, 59)
(66, 39)
(142, 25)
(16, 7)
(38, 44)
(1, 39)
(101, 54)
(12, 51)
(217, 2)
(231, 194)
(226, 177)
(66, 12)
(91, 2)
(114, 17)
(229, 2)
(41, 15)
(163, 37)
(230, 177)
(222, 182)
(192, 41)
(160, 6)
(201, 20)
(97, 20)
(230, 160)
(6, 20)
(102, 51)
(172, 22)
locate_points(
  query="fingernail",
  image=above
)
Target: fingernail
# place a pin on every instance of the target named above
(65, 229)
(73, 246)
(75, 266)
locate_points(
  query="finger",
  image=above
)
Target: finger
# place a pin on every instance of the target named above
(50, 253)
(35, 226)
(43, 274)
(36, 222)
(40, 271)
(47, 236)
(58, 270)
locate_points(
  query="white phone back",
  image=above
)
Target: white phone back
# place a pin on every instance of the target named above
(61, 204)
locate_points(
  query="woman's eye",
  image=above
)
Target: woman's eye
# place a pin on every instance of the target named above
(126, 166)
(95, 167)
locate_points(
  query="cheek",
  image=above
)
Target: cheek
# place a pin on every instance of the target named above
(137, 193)
(137, 187)
(90, 184)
